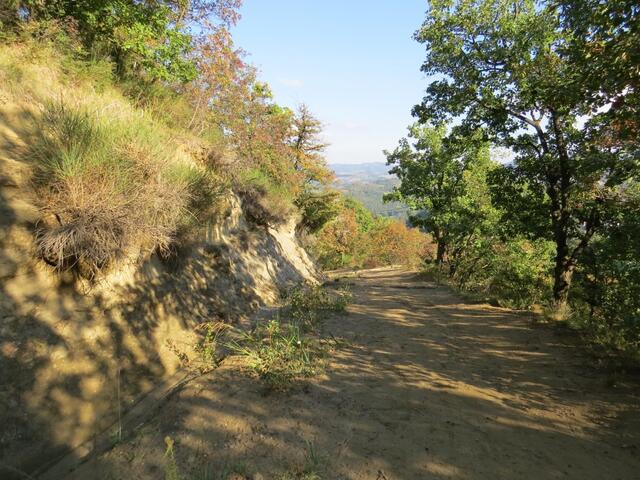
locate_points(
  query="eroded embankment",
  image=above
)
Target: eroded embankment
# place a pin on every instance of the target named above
(74, 356)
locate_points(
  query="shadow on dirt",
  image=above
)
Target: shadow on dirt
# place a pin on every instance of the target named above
(72, 360)
(421, 386)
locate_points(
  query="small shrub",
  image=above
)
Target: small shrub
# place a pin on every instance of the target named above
(279, 354)
(304, 303)
(207, 348)
(264, 202)
(171, 471)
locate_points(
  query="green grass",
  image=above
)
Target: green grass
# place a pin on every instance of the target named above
(306, 304)
(108, 183)
(111, 179)
(265, 202)
(282, 351)
(279, 354)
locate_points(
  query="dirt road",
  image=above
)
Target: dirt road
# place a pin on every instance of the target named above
(421, 386)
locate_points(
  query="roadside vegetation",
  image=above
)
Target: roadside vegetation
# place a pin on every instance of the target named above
(551, 90)
(137, 128)
(356, 238)
(285, 349)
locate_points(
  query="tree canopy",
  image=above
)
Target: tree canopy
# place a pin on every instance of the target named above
(505, 66)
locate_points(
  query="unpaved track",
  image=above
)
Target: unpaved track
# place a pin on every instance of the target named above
(423, 386)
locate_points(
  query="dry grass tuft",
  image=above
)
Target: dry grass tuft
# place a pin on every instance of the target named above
(89, 221)
(264, 203)
(108, 187)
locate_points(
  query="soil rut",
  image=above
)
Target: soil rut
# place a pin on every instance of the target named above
(421, 386)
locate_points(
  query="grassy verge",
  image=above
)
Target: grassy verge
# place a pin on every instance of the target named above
(264, 202)
(288, 348)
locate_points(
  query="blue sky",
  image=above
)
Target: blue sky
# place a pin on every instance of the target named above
(353, 62)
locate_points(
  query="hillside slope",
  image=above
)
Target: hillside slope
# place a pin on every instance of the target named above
(76, 352)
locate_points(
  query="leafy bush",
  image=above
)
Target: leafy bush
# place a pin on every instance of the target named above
(393, 243)
(517, 273)
(606, 300)
(137, 35)
(317, 207)
(355, 238)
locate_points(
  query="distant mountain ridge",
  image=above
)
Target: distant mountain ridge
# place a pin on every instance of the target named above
(368, 182)
(363, 171)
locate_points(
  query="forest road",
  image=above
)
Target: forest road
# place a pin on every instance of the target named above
(421, 385)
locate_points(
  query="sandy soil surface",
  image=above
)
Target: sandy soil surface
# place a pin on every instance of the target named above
(421, 385)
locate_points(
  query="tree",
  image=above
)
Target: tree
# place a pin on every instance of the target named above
(501, 64)
(308, 147)
(153, 38)
(603, 48)
(432, 181)
(609, 273)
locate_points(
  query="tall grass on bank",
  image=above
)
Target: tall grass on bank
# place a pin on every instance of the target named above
(107, 185)
(264, 202)
(112, 180)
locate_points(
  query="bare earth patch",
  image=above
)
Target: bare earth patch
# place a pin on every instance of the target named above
(420, 386)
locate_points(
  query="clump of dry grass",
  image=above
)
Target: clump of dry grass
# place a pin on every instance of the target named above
(88, 222)
(112, 180)
(263, 202)
(107, 188)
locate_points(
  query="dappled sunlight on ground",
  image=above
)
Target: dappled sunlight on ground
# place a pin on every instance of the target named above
(420, 386)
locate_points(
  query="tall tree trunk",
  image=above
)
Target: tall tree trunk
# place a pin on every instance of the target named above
(564, 260)
(561, 216)
(563, 274)
(441, 249)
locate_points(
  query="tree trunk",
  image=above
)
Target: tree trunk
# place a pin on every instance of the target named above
(440, 252)
(563, 274)
(564, 262)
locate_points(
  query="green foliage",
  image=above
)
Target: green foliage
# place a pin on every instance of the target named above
(107, 185)
(502, 66)
(208, 345)
(534, 77)
(279, 354)
(306, 303)
(607, 300)
(315, 465)
(139, 36)
(435, 182)
(265, 202)
(318, 207)
(356, 238)
(171, 471)
(517, 272)
(363, 216)
(603, 51)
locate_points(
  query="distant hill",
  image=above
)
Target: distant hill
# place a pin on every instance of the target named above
(368, 182)
(360, 171)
